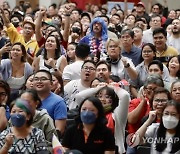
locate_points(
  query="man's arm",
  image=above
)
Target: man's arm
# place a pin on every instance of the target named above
(60, 126)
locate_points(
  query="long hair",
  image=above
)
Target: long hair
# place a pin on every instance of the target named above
(101, 119)
(161, 132)
(110, 92)
(57, 50)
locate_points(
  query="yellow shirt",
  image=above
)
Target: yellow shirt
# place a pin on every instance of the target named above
(166, 54)
(31, 46)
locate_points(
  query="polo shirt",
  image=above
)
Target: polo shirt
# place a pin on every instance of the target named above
(99, 140)
(134, 54)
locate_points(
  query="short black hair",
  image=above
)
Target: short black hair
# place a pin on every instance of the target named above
(156, 62)
(160, 30)
(45, 71)
(82, 50)
(105, 16)
(104, 62)
(128, 31)
(88, 61)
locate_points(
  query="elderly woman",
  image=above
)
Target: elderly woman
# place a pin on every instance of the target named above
(120, 66)
(22, 137)
(15, 70)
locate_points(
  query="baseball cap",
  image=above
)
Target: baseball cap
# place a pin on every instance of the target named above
(29, 22)
(140, 3)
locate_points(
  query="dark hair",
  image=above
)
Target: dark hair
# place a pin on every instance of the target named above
(160, 30)
(153, 48)
(45, 71)
(24, 85)
(82, 50)
(116, 15)
(101, 119)
(34, 95)
(105, 16)
(100, 80)
(74, 44)
(172, 85)
(88, 61)
(57, 50)
(131, 15)
(158, 63)
(128, 31)
(160, 7)
(105, 63)
(23, 58)
(154, 16)
(5, 86)
(160, 90)
(114, 78)
(161, 132)
(60, 80)
(140, 19)
(110, 92)
(58, 31)
(178, 57)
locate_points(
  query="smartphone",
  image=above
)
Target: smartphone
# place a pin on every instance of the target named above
(8, 42)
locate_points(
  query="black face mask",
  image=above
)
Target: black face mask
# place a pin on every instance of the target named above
(16, 24)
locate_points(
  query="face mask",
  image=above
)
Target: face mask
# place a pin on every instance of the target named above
(18, 120)
(88, 117)
(107, 108)
(170, 122)
(16, 24)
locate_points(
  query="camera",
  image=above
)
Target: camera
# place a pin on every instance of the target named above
(76, 30)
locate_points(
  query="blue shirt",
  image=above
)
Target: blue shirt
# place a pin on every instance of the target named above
(134, 54)
(55, 106)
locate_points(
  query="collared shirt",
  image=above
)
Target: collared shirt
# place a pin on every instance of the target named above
(134, 54)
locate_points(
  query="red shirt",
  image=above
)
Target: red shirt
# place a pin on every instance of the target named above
(132, 128)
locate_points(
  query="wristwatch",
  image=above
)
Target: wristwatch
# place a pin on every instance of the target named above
(127, 65)
(3, 105)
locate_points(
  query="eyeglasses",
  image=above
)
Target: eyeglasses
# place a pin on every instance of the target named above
(162, 101)
(89, 68)
(147, 51)
(41, 79)
(149, 89)
(3, 94)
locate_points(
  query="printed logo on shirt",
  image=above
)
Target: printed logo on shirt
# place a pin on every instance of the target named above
(99, 141)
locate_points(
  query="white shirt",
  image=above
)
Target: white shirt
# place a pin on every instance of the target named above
(70, 90)
(72, 71)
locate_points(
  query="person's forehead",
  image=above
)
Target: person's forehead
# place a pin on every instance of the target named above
(41, 74)
(154, 66)
(102, 66)
(2, 89)
(89, 64)
(28, 25)
(159, 34)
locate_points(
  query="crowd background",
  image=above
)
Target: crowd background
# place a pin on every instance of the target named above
(99, 81)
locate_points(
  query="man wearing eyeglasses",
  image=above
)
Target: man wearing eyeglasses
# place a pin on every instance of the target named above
(88, 72)
(53, 103)
(4, 109)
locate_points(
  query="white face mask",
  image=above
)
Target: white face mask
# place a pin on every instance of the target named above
(170, 122)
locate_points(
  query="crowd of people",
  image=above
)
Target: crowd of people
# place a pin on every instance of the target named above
(102, 81)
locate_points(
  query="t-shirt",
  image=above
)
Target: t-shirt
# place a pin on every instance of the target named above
(55, 106)
(70, 90)
(98, 141)
(72, 71)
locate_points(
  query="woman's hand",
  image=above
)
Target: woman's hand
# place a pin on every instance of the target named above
(58, 89)
(152, 116)
(9, 140)
(51, 62)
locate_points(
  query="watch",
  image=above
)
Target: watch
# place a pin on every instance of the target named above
(4, 106)
(127, 65)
